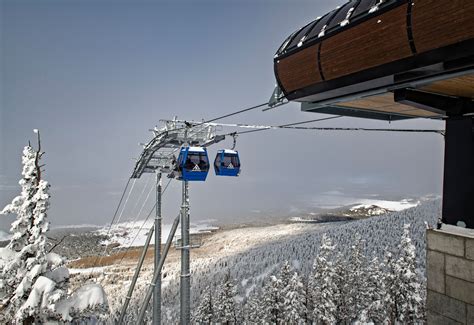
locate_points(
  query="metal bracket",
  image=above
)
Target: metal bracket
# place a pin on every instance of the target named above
(277, 99)
(159, 153)
(234, 138)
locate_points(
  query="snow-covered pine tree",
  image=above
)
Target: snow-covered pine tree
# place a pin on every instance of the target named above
(324, 289)
(275, 293)
(272, 301)
(285, 275)
(294, 308)
(23, 205)
(408, 291)
(357, 299)
(390, 283)
(343, 288)
(375, 311)
(34, 253)
(33, 282)
(308, 300)
(252, 310)
(28, 241)
(37, 242)
(204, 313)
(225, 306)
(22, 277)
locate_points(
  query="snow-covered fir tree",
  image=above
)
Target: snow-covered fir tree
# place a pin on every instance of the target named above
(28, 241)
(252, 309)
(294, 308)
(23, 205)
(251, 266)
(285, 274)
(390, 283)
(272, 301)
(375, 310)
(357, 294)
(352, 292)
(324, 288)
(407, 292)
(308, 300)
(341, 299)
(34, 254)
(225, 307)
(33, 281)
(204, 312)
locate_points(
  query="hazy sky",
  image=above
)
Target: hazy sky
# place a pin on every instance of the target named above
(94, 76)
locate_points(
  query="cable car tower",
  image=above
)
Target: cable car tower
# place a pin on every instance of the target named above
(189, 139)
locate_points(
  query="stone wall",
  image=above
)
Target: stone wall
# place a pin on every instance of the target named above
(450, 272)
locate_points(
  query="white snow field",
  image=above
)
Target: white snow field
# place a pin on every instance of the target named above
(134, 233)
(249, 255)
(388, 205)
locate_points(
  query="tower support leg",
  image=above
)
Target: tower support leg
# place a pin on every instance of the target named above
(185, 284)
(458, 185)
(157, 288)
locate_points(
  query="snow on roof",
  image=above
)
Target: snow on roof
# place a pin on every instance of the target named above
(199, 149)
(230, 151)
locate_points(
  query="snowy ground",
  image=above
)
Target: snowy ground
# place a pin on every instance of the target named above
(134, 234)
(250, 254)
(388, 205)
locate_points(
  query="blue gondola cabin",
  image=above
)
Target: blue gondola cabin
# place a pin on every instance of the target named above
(227, 163)
(192, 164)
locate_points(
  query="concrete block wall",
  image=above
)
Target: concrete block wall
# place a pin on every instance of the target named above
(450, 275)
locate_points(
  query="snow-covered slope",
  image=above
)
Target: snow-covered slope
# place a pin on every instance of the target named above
(251, 254)
(379, 233)
(134, 233)
(387, 205)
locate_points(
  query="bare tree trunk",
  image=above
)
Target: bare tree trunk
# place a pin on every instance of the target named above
(37, 158)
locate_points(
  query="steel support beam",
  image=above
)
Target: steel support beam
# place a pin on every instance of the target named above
(135, 277)
(458, 186)
(157, 288)
(185, 283)
(149, 292)
(458, 182)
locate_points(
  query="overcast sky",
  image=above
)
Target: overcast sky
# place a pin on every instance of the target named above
(94, 76)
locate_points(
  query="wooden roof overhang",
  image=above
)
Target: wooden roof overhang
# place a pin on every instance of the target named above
(392, 59)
